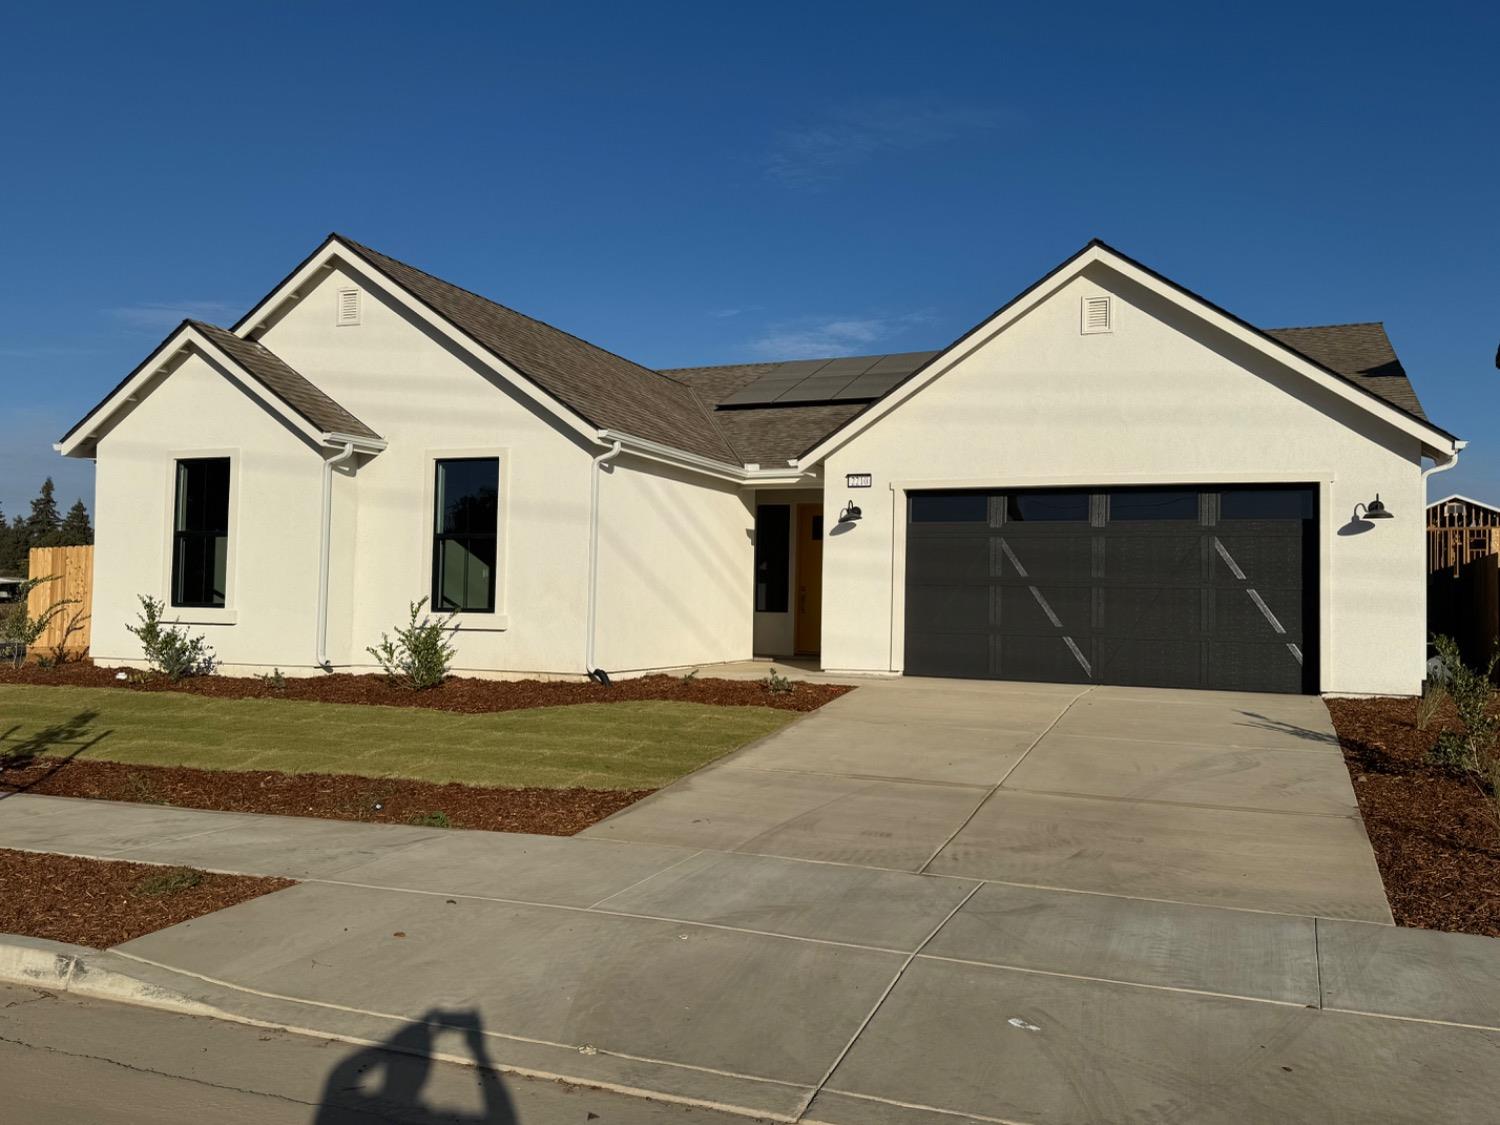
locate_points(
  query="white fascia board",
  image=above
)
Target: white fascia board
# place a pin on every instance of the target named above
(188, 338)
(334, 251)
(1466, 500)
(720, 470)
(1430, 437)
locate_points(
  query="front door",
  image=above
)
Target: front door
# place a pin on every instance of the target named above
(809, 623)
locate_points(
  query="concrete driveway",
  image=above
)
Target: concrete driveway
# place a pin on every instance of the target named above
(1212, 798)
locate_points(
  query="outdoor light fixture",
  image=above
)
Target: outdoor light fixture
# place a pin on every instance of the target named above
(851, 513)
(1374, 510)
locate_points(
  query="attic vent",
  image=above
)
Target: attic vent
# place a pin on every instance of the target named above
(348, 307)
(1097, 315)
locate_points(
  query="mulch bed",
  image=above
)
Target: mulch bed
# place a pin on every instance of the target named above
(1435, 836)
(466, 694)
(550, 812)
(99, 902)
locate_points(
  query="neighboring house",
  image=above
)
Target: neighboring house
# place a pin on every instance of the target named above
(1109, 480)
(10, 586)
(1460, 530)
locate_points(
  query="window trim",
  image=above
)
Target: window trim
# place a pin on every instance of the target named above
(497, 619)
(227, 614)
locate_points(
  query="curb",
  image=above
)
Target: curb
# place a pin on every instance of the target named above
(82, 971)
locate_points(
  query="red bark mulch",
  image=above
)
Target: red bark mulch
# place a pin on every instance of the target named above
(458, 693)
(1434, 832)
(549, 812)
(99, 902)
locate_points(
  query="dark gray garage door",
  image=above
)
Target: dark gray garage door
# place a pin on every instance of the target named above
(1199, 588)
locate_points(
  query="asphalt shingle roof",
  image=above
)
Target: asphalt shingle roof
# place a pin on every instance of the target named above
(606, 390)
(293, 389)
(1362, 353)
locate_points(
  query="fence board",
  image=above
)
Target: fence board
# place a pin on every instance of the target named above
(1466, 607)
(74, 568)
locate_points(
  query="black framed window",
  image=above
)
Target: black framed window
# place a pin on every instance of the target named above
(466, 532)
(773, 557)
(200, 532)
(1153, 504)
(1294, 503)
(950, 507)
(1034, 507)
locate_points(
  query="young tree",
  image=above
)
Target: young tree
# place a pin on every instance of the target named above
(76, 531)
(10, 547)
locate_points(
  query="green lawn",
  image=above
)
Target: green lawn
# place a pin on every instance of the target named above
(632, 745)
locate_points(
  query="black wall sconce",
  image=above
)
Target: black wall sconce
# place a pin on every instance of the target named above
(851, 513)
(1374, 510)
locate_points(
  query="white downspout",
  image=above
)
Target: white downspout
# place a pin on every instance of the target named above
(593, 594)
(325, 551)
(1442, 466)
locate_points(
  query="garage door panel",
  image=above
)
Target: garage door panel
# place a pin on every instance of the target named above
(1163, 612)
(1254, 667)
(1095, 587)
(1045, 609)
(1151, 662)
(961, 655)
(1044, 556)
(1048, 658)
(948, 561)
(952, 609)
(1154, 559)
(1258, 615)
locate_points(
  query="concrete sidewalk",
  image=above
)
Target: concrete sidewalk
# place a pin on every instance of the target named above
(794, 989)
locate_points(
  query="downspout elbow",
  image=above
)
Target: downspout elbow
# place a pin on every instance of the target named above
(325, 551)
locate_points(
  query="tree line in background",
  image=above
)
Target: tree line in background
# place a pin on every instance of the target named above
(44, 527)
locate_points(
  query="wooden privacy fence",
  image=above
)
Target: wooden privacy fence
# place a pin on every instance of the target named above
(1466, 607)
(74, 570)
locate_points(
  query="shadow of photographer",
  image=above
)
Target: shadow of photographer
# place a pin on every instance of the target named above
(386, 1082)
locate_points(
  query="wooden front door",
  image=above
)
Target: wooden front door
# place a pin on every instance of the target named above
(809, 622)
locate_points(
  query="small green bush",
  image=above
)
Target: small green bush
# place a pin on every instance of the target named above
(274, 680)
(1429, 705)
(19, 630)
(420, 656)
(436, 819)
(168, 882)
(1471, 748)
(169, 648)
(777, 684)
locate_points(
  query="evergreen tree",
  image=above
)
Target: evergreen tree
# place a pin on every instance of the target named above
(44, 521)
(8, 564)
(76, 531)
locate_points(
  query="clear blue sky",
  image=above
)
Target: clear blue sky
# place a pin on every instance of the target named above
(707, 182)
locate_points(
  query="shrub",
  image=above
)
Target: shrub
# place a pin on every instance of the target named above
(168, 882)
(1471, 748)
(777, 684)
(169, 648)
(420, 656)
(438, 819)
(274, 680)
(19, 630)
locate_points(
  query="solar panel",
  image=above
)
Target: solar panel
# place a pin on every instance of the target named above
(846, 379)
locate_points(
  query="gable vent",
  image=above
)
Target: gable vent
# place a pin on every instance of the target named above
(1098, 316)
(348, 307)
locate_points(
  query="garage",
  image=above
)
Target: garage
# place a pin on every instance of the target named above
(1192, 587)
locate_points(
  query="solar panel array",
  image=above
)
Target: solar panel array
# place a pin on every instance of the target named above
(851, 379)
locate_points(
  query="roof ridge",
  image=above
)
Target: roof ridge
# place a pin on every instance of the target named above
(1341, 324)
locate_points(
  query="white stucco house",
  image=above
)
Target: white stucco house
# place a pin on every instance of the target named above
(1109, 480)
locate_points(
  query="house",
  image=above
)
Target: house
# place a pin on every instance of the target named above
(1460, 530)
(1109, 480)
(10, 587)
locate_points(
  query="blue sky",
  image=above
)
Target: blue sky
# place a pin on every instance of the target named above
(703, 182)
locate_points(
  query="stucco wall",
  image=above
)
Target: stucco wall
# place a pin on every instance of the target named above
(274, 519)
(676, 563)
(675, 551)
(1159, 399)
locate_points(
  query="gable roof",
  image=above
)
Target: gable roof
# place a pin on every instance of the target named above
(287, 385)
(607, 391)
(1096, 250)
(313, 411)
